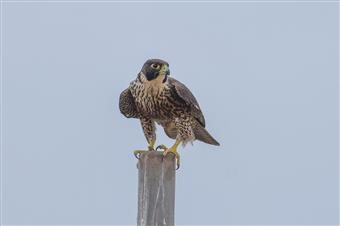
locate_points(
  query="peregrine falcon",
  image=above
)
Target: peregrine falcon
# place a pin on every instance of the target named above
(155, 97)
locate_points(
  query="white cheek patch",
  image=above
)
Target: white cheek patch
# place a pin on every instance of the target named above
(159, 80)
(154, 86)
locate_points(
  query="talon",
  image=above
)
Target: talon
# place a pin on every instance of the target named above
(173, 151)
(162, 146)
(138, 153)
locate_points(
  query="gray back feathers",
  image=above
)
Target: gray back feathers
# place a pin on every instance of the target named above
(185, 94)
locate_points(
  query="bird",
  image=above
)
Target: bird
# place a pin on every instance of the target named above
(156, 97)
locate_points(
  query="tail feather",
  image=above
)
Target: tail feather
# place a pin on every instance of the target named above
(203, 135)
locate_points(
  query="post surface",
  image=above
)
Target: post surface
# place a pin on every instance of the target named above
(156, 189)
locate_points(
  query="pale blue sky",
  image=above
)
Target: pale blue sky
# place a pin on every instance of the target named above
(265, 75)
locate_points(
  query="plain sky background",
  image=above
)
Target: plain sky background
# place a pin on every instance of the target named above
(265, 75)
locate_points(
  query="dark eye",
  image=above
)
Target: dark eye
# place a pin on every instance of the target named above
(155, 66)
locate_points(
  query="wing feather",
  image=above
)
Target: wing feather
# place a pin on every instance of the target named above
(185, 94)
(127, 104)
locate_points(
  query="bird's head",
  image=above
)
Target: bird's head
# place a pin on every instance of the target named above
(156, 69)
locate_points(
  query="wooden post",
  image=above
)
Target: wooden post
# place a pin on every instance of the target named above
(156, 189)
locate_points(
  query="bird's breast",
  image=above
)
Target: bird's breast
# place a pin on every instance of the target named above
(152, 101)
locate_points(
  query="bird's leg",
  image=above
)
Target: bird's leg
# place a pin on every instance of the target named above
(151, 145)
(173, 150)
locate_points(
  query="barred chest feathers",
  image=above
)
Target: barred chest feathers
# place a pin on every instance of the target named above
(150, 96)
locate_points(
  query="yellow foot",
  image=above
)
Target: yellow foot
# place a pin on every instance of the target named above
(173, 151)
(138, 153)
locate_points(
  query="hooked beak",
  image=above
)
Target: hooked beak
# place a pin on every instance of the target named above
(165, 70)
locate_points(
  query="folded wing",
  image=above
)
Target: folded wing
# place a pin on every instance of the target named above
(185, 94)
(127, 104)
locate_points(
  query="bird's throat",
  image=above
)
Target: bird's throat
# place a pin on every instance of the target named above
(155, 86)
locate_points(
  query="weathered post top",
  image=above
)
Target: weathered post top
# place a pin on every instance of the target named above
(156, 189)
